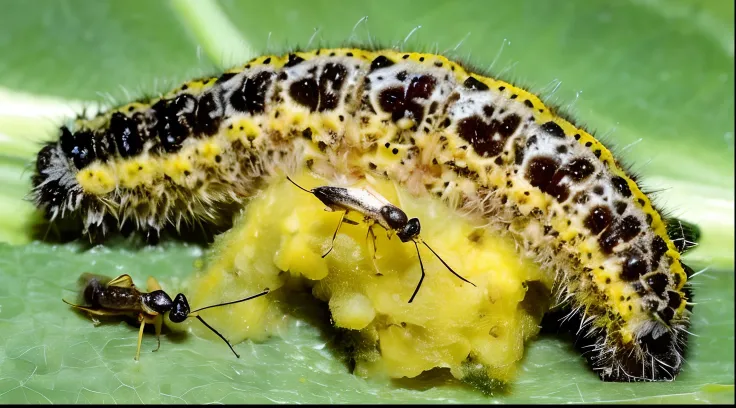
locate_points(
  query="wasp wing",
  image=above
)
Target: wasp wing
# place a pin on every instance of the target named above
(152, 284)
(122, 281)
(376, 195)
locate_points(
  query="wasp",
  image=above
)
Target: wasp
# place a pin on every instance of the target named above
(120, 297)
(375, 209)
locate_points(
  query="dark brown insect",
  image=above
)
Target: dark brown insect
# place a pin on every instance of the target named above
(120, 297)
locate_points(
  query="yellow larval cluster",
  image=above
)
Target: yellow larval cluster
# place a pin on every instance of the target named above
(450, 322)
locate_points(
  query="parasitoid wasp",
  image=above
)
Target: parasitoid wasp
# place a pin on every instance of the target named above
(120, 297)
(375, 210)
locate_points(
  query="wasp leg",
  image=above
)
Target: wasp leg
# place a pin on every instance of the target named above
(153, 285)
(145, 318)
(97, 312)
(373, 258)
(140, 337)
(371, 234)
(339, 224)
(157, 322)
(349, 221)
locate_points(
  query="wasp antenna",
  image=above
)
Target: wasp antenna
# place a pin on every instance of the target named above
(294, 183)
(421, 265)
(444, 263)
(265, 291)
(218, 333)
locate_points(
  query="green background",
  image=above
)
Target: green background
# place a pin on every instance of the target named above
(653, 78)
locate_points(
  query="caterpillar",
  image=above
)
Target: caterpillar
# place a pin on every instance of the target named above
(477, 143)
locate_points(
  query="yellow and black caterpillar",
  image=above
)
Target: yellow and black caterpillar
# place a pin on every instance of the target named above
(477, 143)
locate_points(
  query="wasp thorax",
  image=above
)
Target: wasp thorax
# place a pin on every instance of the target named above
(158, 301)
(394, 217)
(180, 311)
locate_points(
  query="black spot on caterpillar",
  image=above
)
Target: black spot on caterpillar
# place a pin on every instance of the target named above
(192, 155)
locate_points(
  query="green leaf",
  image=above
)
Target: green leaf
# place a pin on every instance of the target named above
(50, 353)
(651, 70)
